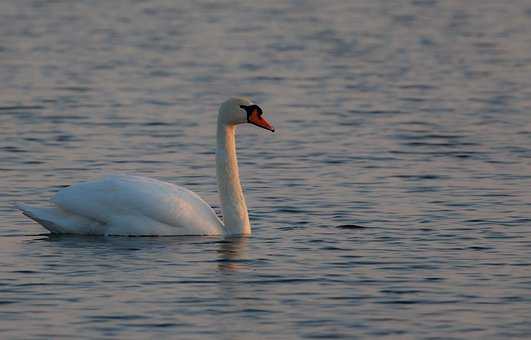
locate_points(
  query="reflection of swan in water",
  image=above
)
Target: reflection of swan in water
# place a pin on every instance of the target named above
(133, 205)
(233, 272)
(231, 254)
(119, 246)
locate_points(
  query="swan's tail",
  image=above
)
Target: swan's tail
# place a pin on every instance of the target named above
(47, 217)
(59, 221)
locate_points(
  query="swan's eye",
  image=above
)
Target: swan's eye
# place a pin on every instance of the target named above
(248, 110)
(258, 110)
(252, 109)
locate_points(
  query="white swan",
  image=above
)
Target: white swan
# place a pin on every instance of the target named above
(132, 205)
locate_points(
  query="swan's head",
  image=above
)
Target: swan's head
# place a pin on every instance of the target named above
(242, 110)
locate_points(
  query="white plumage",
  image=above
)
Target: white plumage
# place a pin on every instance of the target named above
(128, 205)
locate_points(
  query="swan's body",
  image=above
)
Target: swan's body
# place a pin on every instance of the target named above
(133, 205)
(127, 205)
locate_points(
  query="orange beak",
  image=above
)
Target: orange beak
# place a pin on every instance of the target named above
(256, 119)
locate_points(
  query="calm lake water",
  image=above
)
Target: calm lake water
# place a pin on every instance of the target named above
(393, 201)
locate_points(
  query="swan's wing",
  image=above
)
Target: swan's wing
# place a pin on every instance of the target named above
(119, 198)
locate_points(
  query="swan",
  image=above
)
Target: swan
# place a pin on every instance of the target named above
(138, 206)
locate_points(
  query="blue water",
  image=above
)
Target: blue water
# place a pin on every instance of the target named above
(392, 202)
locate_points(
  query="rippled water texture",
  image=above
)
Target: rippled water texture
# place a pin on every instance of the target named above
(393, 200)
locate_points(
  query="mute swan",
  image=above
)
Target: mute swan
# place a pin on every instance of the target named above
(133, 205)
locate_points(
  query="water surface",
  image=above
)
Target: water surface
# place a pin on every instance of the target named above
(393, 200)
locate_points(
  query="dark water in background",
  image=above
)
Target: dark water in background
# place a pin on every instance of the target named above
(410, 119)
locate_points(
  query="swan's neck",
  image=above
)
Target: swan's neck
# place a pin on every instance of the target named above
(235, 215)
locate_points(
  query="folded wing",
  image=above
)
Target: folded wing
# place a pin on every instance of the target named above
(119, 200)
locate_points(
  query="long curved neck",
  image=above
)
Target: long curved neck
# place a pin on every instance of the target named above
(235, 215)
